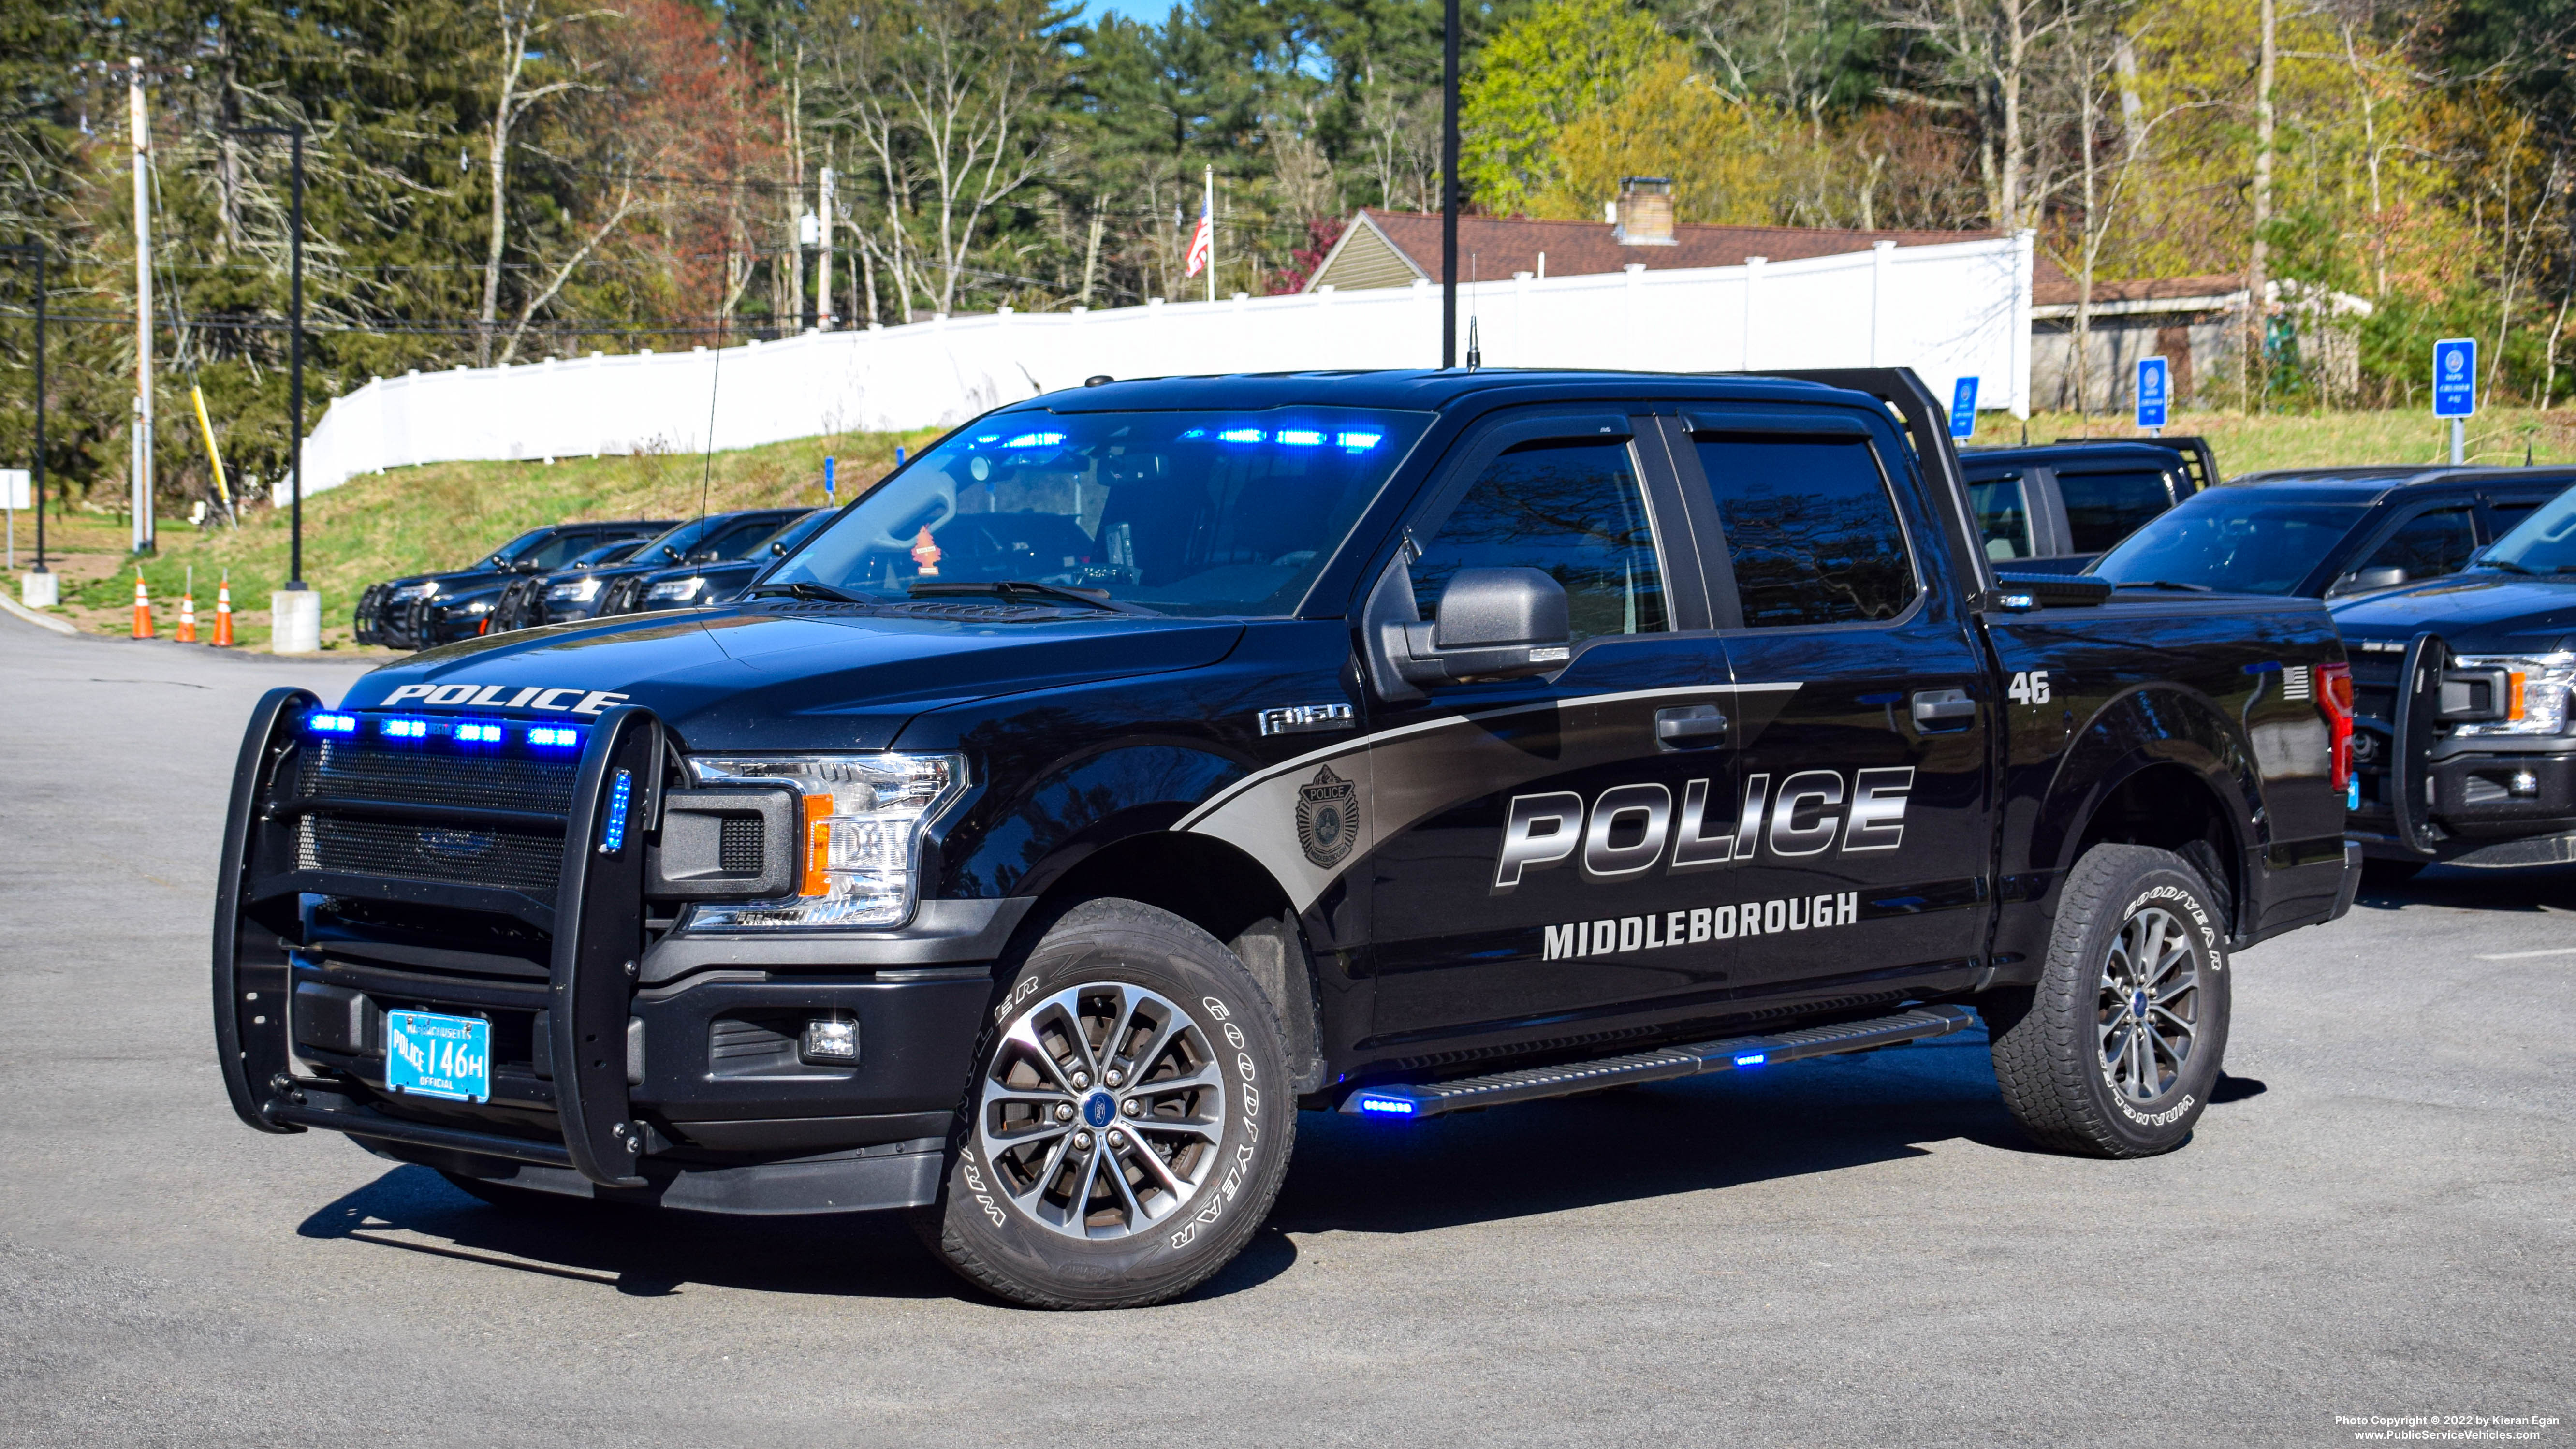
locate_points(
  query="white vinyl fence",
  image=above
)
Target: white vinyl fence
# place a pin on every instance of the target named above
(1949, 310)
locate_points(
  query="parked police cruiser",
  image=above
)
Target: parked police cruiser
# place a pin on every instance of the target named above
(1149, 761)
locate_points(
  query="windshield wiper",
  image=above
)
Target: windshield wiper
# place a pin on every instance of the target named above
(2164, 584)
(803, 589)
(2508, 566)
(1008, 588)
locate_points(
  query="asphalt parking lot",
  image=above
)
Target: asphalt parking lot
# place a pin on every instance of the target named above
(2374, 1218)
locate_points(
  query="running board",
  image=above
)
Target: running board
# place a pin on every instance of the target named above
(1739, 1053)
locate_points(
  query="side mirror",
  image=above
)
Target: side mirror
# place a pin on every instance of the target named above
(2382, 576)
(1489, 624)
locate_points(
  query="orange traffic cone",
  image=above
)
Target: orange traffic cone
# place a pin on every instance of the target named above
(187, 619)
(142, 608)
(224, 613)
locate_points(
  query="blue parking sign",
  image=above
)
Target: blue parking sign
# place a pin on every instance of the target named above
(2455, 377)
(1963, 409)
(2154, 393)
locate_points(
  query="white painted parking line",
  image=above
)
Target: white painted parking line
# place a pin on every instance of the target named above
(2527, 955)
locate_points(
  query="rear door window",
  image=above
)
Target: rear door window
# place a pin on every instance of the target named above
(2103, 508)
(1811, 528)
(1574, 510)
(2429, 545)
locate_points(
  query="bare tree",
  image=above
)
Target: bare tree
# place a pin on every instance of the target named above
(1997, 51)
(521, 25)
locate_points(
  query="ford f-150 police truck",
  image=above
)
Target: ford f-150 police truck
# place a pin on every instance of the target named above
(1150, 761)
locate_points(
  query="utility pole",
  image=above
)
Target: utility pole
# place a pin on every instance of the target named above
(141, 461)
(42, 589)
(823, 266)
(1449, 186)
(294, 345)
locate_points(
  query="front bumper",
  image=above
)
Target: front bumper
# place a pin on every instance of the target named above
(2476, 799)
(663, 1070)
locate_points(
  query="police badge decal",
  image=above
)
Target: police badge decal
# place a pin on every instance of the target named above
(1328, 817)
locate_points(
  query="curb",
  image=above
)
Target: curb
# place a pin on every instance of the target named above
(41, 621)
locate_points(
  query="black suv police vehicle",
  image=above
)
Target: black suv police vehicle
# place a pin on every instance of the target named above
(1146, 762)
(425, 609)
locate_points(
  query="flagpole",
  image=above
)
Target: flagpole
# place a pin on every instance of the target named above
(1210, 205)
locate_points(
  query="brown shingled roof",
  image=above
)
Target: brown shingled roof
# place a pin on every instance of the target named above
(2054, 288)
(1504, 245)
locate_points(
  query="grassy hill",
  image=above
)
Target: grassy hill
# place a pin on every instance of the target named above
(447, 514)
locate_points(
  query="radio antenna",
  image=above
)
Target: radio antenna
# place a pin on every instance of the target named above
(715, 374)
(1475, 353)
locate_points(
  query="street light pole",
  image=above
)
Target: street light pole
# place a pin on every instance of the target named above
(294, 346)
(1449, 187)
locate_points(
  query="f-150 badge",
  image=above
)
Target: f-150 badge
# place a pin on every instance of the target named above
(1328, 817)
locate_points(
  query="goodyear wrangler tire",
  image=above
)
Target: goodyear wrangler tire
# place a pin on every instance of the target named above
(1129, 1120)
(2115, 1051)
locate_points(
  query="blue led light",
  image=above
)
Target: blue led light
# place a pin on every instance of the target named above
(1389, 1106)
(1300, 438)
(1359, 442)
(406, 729)
(613, 838)
(1193, 433)
(2352, 793)
(549, 735)
(1752, 1059)
(483, 734)
(1036, 440)
(321, 722)
(1239, 435)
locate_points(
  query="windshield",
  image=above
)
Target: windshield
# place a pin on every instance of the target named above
(2236, 540)
(1199, 513)
(2544, 543)
(517, 549)
(607, 554)
(791, 538)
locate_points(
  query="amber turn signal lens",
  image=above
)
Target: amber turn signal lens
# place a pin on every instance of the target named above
(817, 811)
(2513, 702)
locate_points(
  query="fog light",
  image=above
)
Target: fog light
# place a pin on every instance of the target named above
(832, 1039)
(2525, 783)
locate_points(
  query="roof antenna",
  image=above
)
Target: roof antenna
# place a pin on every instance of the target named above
(1475, 353)
(715, 373)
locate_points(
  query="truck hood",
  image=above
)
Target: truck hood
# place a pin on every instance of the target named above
(767, 679)
(2484, 613)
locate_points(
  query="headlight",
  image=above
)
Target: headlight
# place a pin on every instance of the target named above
(859, 829)
(409, 592)
(677, 589)
(479, 606)
(2534, 701)
(581, 591)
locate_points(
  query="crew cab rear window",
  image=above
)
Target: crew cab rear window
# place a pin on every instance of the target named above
(1572, 509)
(1811, 528)
(2432, 544)
(2103, 508)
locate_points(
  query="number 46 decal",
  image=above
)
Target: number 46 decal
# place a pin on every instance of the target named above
(2029, 688)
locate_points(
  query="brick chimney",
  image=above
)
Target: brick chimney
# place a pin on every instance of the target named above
(1645, 212)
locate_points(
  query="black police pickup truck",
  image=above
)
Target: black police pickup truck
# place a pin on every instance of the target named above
(1149, 761)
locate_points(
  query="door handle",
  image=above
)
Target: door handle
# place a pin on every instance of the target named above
(1689, 726)
(1940, 710)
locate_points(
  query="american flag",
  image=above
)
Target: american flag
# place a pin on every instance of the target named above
(1202, 242)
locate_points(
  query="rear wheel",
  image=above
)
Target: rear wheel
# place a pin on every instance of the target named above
(1129, 1120)
(2115, 1052)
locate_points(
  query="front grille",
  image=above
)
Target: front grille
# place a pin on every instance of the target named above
(417, 777)
(407, 850)
(2374, 684)
(461, 853)
(738, 849)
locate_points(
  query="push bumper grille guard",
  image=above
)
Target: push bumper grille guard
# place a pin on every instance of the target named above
(596, 918)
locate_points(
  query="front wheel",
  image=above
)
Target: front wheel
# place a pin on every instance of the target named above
(1129, 1120)
(2115, 1051)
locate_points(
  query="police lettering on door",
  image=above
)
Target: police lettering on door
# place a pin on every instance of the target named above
(1630, 832)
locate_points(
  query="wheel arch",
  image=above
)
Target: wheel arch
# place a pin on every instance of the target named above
(2158, 767)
